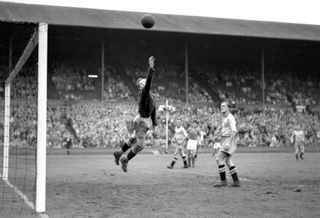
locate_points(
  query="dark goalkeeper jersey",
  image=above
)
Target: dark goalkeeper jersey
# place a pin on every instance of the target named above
(147, 103)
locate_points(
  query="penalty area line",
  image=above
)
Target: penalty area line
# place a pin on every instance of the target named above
(24, 198)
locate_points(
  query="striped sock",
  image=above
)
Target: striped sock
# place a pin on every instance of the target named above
(174, 159)
(222, 172)
(184, 161)
(125, 147)
(131, 155)
(233, 173)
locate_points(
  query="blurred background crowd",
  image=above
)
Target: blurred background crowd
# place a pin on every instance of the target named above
(102, 123)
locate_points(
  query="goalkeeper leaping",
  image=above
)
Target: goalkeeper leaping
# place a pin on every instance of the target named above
(140, 124)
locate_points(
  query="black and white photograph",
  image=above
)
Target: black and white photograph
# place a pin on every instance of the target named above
(159, 109)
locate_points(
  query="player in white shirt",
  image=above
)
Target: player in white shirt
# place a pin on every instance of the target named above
(179, 140)
(298, 139)
(227, 147)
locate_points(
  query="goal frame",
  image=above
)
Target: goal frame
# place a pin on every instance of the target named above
(40, 38)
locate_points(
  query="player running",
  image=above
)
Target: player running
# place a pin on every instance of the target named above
(179, 139)
(227, 147)
(141, 123)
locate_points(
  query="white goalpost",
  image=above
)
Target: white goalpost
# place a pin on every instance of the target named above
(42, 119)
(40, 38)
(6, 133)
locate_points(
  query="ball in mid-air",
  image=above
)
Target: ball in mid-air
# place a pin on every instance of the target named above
(147, 21)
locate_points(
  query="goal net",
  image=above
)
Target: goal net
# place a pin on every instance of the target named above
(21, 187)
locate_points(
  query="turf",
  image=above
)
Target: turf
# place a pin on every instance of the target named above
(91, 185)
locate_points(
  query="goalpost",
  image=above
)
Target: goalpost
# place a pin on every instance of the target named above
(42, 119)
(40, 38)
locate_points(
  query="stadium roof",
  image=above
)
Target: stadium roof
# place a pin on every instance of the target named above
(69, 16)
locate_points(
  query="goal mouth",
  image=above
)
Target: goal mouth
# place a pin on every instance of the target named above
(22, 119)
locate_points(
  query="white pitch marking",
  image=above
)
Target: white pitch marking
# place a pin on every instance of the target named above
(24, 197)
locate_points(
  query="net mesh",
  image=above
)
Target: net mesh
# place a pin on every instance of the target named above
(17, 192)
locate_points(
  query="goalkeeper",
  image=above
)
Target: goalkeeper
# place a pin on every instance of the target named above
(141, 123)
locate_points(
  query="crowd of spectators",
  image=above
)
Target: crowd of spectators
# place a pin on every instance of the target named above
(240, 84)
(96, 124)
(244, 85)
(67, 78)
(169, 83)
(69, 81)
(103, 125)
(115, 88)
(24, 85)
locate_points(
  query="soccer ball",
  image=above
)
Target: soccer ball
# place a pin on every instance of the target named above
(147, 21)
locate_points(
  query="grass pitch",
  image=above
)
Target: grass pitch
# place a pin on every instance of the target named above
(91, 185)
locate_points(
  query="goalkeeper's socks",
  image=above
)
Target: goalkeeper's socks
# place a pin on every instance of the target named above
(125, 147)
(131, 155)
(233, 173)
(222, 172)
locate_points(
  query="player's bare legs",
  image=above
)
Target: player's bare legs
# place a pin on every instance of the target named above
(191, 158)
(175, 158)
(222, 169)
(301, 155)
(297, 152)
(184, 159)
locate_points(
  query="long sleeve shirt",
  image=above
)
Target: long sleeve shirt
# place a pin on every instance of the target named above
(147, 103)
(193, 133)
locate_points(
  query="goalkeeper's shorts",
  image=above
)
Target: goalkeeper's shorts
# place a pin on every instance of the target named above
(141, 126)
